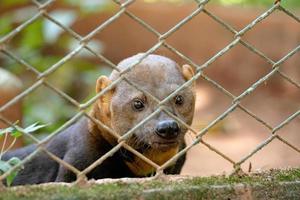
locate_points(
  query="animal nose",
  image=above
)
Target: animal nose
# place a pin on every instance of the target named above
(167, 129)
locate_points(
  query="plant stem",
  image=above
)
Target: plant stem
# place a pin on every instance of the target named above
(3, 145)
(10, 146)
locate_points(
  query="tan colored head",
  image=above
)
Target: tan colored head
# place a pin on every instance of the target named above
(124, 106)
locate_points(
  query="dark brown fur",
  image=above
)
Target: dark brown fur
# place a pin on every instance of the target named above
(84, 142)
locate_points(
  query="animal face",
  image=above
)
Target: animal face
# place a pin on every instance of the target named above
(126, 106)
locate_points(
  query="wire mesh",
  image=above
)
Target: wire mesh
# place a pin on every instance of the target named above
(161, 41)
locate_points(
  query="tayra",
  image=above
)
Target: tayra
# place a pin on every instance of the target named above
(120, 109)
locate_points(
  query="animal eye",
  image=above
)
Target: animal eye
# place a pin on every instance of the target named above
(138, 105)
(179, 100)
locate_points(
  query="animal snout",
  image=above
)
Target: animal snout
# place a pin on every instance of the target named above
(168, 129)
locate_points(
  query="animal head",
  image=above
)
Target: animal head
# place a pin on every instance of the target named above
(124, 106)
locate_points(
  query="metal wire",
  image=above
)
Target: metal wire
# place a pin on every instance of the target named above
(237, 38)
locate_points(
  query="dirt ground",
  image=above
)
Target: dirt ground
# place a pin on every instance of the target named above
(238, 134)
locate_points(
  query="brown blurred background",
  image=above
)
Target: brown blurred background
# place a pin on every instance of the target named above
(199, 39)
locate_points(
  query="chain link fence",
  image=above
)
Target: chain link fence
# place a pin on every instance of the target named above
(237, 36)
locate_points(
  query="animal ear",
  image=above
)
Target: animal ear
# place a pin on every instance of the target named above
(103, 111)
(188, 71)
(101, 84)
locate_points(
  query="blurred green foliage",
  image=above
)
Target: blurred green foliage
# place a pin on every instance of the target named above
(42, 44)
(6, 166)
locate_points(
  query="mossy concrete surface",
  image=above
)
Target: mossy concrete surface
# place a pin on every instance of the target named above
(275, 184)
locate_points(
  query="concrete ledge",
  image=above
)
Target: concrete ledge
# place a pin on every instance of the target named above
(278, 184)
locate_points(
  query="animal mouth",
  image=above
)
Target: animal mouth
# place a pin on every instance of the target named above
(164, 145)
(157, 143)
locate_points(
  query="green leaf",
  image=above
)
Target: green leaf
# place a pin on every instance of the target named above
(14, 161)
(11, 177)
(15, 133)
(4, 166)
(34, 127)
(6, 130)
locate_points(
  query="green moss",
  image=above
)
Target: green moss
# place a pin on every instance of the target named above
(288, 175)
(261, 178)
(216, 187)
